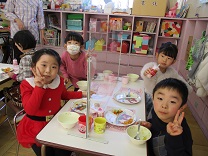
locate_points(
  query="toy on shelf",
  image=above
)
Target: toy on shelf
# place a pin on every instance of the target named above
(171, 28)
(140, 43)
(116, 23)
(127, 26)
(100, 45)
(56, 4)
(172, 11)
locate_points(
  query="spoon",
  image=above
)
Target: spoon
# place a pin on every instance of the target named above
(79, 106)
(137, 134)
(128, 95)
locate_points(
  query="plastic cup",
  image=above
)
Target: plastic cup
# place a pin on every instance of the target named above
(111, 77)
(82, 123)
(125, 80)
(100, 76)
(100, 125)
(106, 74)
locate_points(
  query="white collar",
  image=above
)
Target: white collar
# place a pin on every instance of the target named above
(53, 85)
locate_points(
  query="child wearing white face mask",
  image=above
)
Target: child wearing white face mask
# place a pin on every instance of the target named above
(74, 63)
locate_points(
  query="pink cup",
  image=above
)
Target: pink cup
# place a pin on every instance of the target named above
(82, 123)
(125, 80)
(111, 77)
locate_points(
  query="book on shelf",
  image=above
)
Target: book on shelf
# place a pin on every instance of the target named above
(149, 26)
(52, 37)
(52, 20)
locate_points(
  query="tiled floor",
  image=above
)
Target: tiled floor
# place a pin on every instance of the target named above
(8, 141)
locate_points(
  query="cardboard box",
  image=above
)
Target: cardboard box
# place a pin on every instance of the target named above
(149, 8)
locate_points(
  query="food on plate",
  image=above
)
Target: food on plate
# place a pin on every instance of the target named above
(80, 106)
(97, 105)
(6, 70)
(128, 121)
(117, 111)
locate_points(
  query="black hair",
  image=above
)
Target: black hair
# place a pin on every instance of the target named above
(25, 39)
(75, 37)
(169, 49)
(175, 84)
(41, 52)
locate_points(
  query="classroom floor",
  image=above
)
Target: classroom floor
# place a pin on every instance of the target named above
(8, 140)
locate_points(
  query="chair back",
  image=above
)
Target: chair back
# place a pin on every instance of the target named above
(17, 118)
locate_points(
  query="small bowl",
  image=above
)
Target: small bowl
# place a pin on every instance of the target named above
(144, 135)
(108, 71)
(133, 77)
(68, 119)
(82, 85)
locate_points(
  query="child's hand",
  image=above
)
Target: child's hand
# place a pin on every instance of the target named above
(10, 74)
(66, 80)
(174, 128)
(145, 124)
(84, 93)
(38, 78)
(147, 71)
(89, 53)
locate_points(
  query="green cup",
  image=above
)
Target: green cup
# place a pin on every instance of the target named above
(99, 125)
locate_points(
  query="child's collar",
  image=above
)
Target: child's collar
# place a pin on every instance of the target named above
(53, 85)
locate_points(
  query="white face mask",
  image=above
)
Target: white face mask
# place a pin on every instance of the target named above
(73, 49)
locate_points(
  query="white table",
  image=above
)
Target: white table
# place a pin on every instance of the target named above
(4, 77)
(119, 144)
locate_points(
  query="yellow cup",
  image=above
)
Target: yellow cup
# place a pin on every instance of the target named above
(99, 125)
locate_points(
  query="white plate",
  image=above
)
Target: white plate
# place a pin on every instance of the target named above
(134, 98)
(6, 70)
(77, 109)
(124, 117)
(83, 109)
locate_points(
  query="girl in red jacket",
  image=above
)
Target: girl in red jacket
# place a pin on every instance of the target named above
(41, 99)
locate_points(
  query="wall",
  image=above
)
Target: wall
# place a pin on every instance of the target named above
(197, 7)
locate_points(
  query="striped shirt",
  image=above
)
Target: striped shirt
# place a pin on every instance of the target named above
(30, 12)
(25, 66)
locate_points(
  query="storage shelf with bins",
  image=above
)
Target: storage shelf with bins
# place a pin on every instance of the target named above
(107, 56)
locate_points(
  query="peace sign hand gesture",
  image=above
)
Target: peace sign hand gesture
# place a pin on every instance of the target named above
(38, 78)
(174, 128)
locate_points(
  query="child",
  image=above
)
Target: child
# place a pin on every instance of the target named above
(25, 42)
(166, 57)
(74, 64)
(170, 132)
(41, 98)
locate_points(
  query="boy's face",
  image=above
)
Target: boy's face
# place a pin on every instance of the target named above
(166, 104)
(164, 60)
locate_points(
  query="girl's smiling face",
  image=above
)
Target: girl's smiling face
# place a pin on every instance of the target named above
(48, 67)
(166, 104)
(164, 60)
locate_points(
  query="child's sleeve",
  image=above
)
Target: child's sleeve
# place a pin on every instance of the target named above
(31, 97)
(180, 145)
(149, 83)
(67, 95)
(63, 65)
